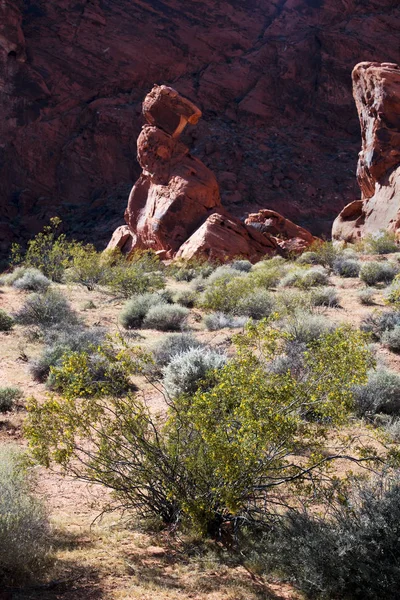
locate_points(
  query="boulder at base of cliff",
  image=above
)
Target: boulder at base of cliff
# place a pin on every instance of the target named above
(289, 236)
(223, 238)
(123, 239)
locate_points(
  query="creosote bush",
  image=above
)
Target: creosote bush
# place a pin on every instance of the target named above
(24, 529)
(141, 273)
(221, 453)
(6, 321)
(381, 242)
(8, 396)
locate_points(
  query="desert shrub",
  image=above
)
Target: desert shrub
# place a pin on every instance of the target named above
(373, 273)
(190, 269)
(221, 453)
(366, 296)
(141, 273)
(223, 274)
(87, 267)
(241, 265)
(136, 309)
(381, 393)
(223, 295)
(61, 340)
(173, 344)
(49, 251)
(352, 552)
(325, 296)
(218, 320)
(304, 327)
(186, 298)
(291, 361)
(46, 310)
(8, 396)
(89, 305)
(6, 322)
(308, 258)
(379, 322)
(392, 429)
(305, 278)
(24, 530)
(347, 267)
(92, 374)
(257, 305)
(267, 275)
(290, 301)
(187, 370)
(10, 278)
(32, 280)
(381, 242)
(391, 338)
(325, 253)
(392, 294)
(166, 317)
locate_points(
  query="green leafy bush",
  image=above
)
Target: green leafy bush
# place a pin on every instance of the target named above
(221, 453)
(8, 396)
(24, 529)
(141, 273)
(32, 280)
(166, 317)
(185, 372)
(87, 267)
(186, 298)
(373, 273)
(381, 393)
(46, 310)
(49, 251)
(6, 322)
(136, 309)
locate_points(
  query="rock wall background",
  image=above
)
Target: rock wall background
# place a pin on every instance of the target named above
(273, 79)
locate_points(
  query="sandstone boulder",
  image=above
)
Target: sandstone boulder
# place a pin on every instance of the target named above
(123, 239)
(376, 90)
(289, 236)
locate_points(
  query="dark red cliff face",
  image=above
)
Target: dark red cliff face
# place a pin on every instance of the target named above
(273, 79)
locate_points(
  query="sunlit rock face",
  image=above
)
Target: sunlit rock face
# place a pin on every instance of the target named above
(272, 79)
(377, 94)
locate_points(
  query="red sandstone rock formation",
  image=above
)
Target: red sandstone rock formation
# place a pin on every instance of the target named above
(280, 130)
(377, 95)
(175, 207)
(290, 237)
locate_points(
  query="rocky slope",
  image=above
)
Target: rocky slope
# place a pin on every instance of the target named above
(272, 78)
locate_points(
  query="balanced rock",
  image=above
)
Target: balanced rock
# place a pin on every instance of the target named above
(376, 89)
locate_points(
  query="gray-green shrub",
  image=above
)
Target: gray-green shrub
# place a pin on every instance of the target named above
(304, 327)
(186, 298)
(136, 309)
(379, 322)
(241, 265)
(173, 344)
(219, 320)
(166, 317)
(391, 338)
(24, 529)
(324, 296)
(46, 310)
(32, 280)
(257, 305)
(186, 370)
(373, 272)
(366, 296)
(347, 267)
(381, 393)
(382, 242)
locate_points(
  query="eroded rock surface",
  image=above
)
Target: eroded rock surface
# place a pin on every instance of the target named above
(377, 94)
(273, 79)
(289, 236)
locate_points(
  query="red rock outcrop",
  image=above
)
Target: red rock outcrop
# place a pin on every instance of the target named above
(273, 77)
(290, 237)
(175, 207)
(377, 95)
